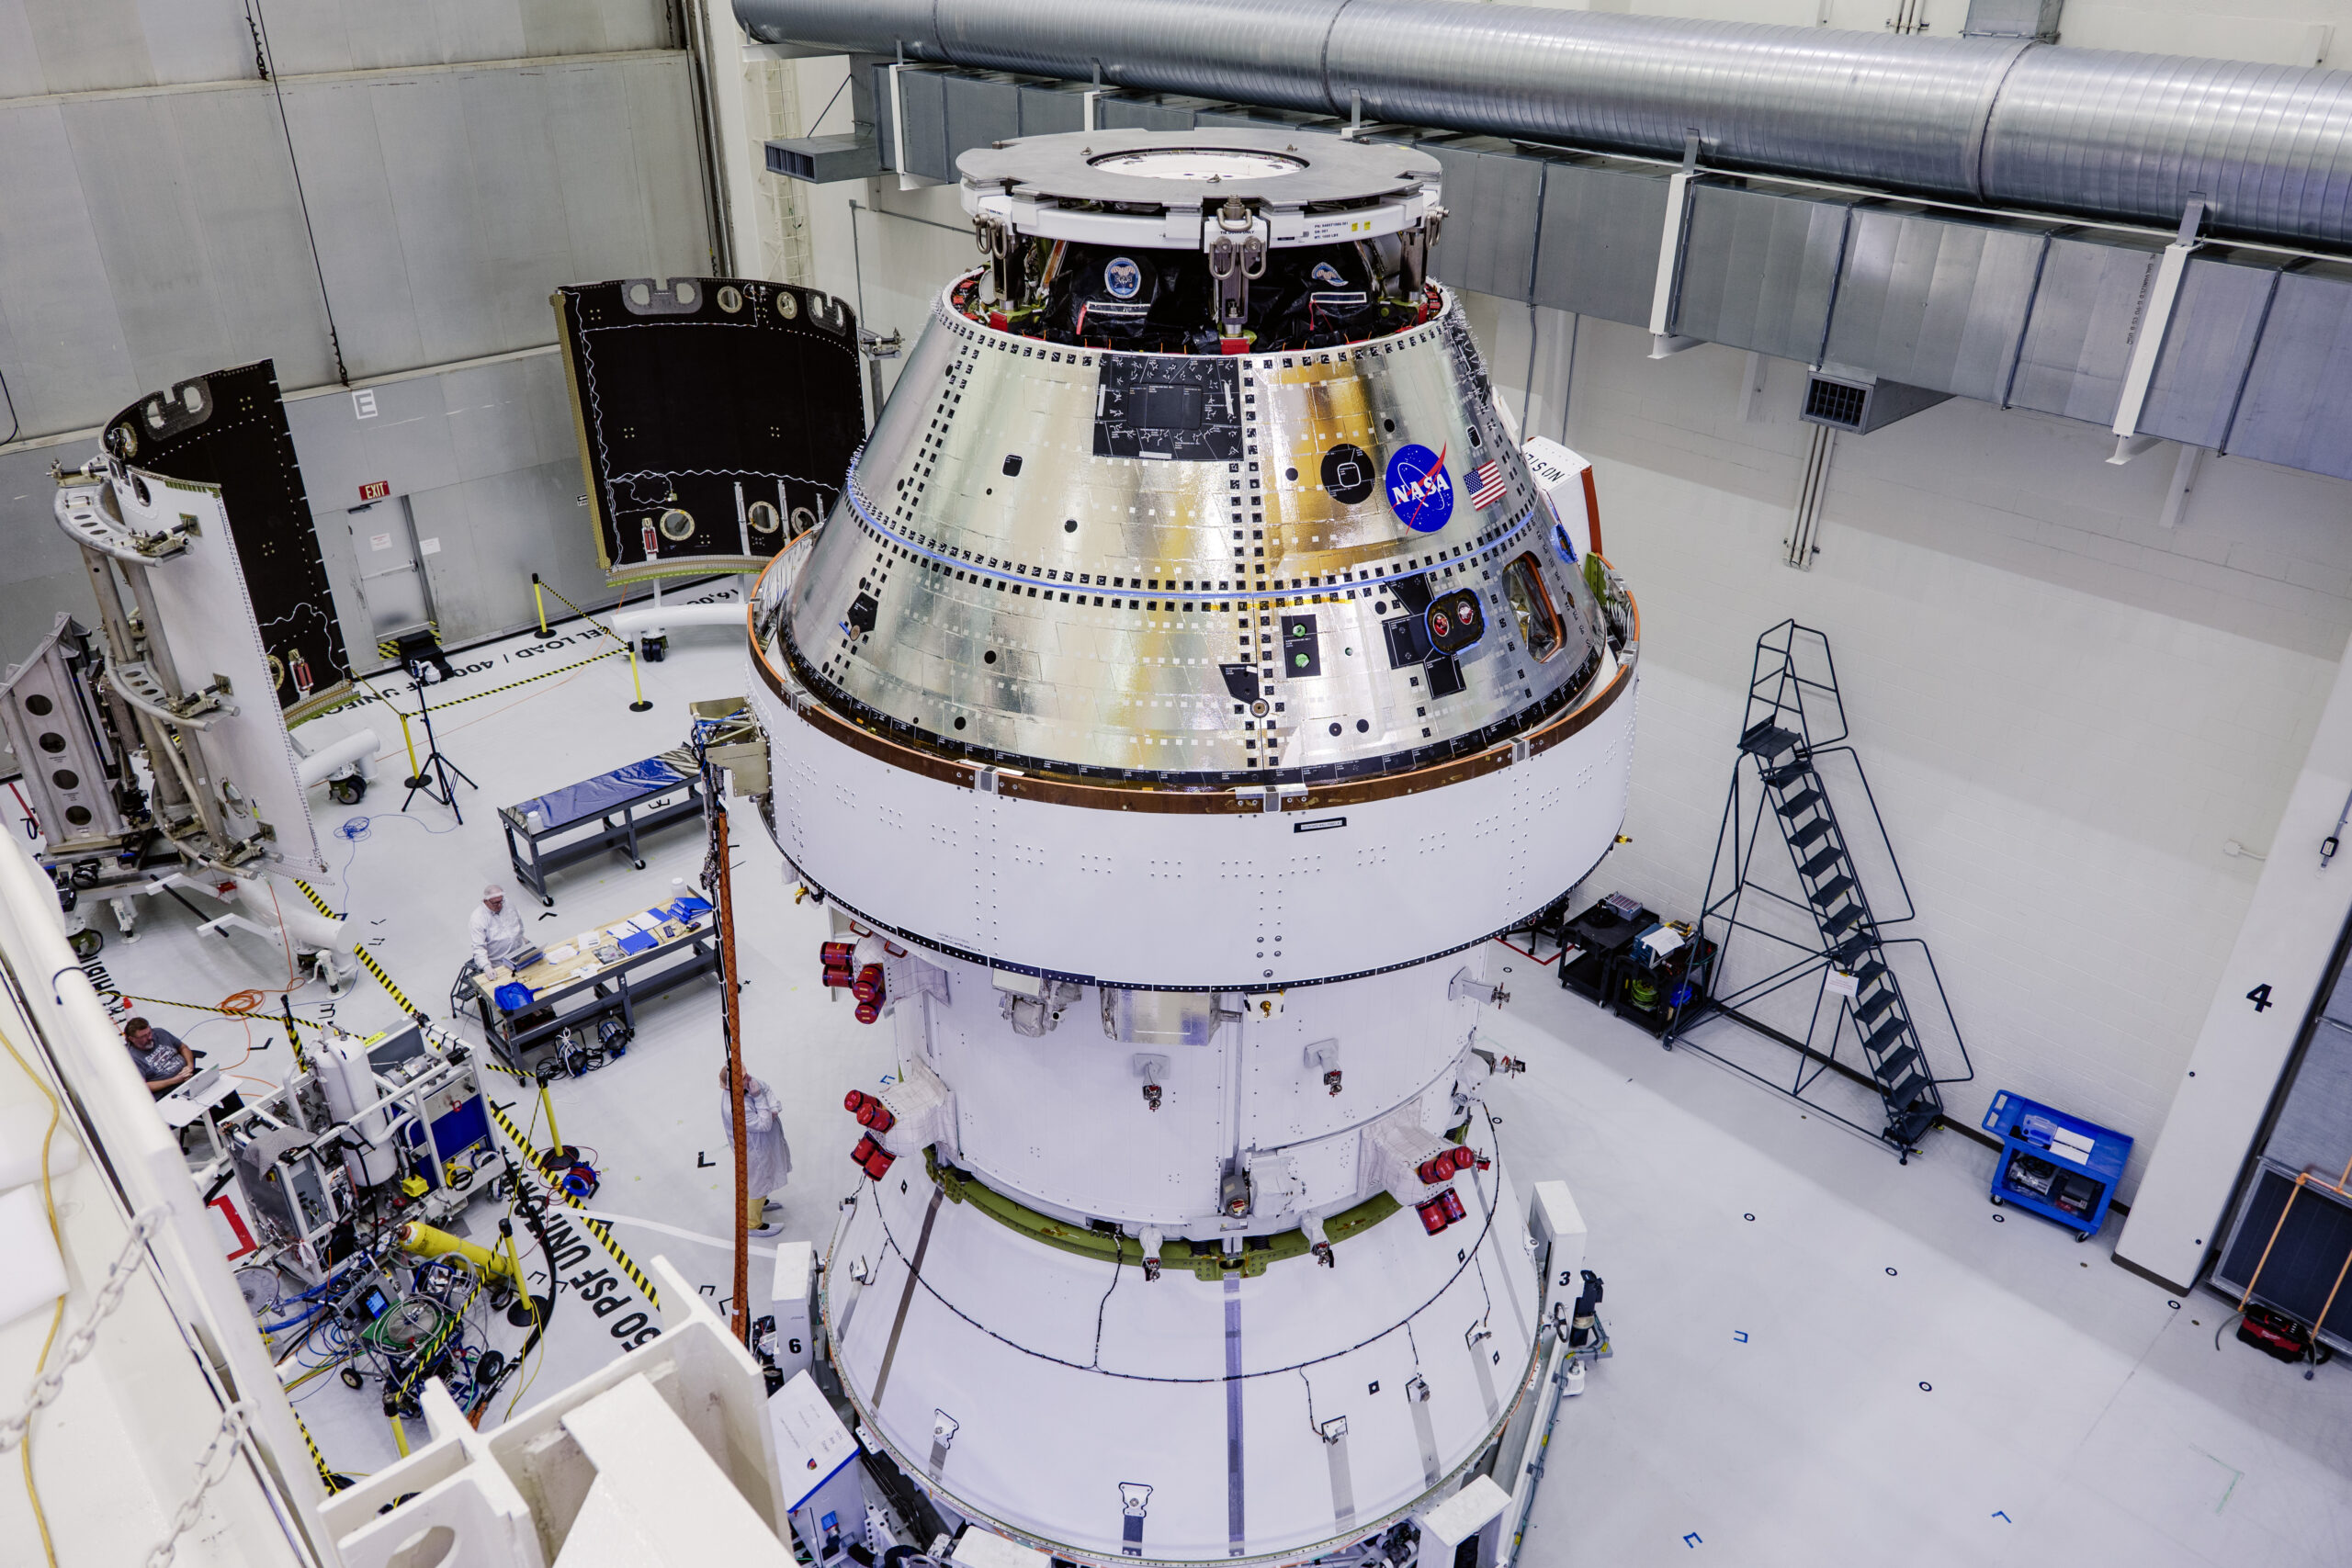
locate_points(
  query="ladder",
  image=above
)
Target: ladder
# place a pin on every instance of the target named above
(1793, 721)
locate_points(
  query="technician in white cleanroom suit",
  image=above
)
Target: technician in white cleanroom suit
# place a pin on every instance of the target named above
(767, 1159)
(496, 932)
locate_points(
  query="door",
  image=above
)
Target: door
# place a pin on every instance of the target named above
(391, 579)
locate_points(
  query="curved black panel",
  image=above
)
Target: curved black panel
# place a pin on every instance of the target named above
(228, 429)
(716, 417)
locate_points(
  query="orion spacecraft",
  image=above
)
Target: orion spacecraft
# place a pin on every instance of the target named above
(1190, 679)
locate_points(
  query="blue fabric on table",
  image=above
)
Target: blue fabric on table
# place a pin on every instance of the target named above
(513, 995)
(607, 792)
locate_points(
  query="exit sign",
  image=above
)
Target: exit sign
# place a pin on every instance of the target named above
(375, 490)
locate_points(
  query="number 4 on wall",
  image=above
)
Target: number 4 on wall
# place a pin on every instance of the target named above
(2260, 997)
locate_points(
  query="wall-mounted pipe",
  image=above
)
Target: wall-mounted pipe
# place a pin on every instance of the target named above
(2092, 133)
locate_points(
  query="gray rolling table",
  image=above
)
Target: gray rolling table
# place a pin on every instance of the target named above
(595, 816)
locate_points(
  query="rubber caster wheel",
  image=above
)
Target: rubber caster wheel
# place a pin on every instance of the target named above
(352, 1379)
(86, 942)
(347, 791)
(2081, 1236)
(1997, 1203)
(547, 901)
(639, 864)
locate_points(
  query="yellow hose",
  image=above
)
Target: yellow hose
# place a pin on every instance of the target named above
(426, 1242)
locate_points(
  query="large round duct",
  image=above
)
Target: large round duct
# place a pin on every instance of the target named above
(2086, 132)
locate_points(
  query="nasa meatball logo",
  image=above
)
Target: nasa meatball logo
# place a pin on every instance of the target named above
(1123, 277)
(1419, 491)
(1347, 473)
(1325, 273)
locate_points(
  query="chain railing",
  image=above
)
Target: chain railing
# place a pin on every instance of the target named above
(211, 1469)
(51, 1383)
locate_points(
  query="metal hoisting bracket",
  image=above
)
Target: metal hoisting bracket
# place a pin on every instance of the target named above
(994, 237)
(84, 510)
(1237, 251)
(1418, 246)
(138, 686)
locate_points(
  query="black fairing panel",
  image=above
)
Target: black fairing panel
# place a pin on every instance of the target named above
(716, 417)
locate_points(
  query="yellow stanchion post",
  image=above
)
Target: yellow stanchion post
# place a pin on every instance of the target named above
(408, 740)
(640, 705)
(539, 598)
(557, 1147)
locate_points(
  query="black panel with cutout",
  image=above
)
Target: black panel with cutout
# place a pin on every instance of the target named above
(235, 437)
(716, 417)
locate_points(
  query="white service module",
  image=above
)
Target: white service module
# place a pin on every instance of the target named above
(1187, 685)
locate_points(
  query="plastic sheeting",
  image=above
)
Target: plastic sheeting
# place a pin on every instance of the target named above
(607, 792)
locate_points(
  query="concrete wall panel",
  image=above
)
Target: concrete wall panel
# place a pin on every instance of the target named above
(62, 343)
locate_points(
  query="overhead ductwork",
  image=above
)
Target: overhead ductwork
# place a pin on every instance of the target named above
(1995, 122)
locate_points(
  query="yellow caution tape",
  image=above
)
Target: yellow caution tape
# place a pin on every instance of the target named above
(477, 697)
(316, 902)
(597, 1228)
(399, 996)
(318, 1458)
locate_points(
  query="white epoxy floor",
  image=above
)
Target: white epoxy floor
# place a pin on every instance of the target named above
(2073, 1412)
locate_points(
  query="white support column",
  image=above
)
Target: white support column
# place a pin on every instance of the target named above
(1663, 342)
(2184, 485)
(2148, 338)
(2266, 987)
(899, 134)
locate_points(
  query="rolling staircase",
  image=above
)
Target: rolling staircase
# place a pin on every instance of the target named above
(1779, 791)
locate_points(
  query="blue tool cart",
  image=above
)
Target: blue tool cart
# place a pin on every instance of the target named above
(2060, 1166)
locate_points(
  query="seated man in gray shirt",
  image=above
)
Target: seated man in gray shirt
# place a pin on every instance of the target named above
(162, 1060)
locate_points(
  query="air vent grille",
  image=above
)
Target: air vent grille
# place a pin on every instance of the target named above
(1835, 403)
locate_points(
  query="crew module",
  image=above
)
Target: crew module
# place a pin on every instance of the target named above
(1190, 680)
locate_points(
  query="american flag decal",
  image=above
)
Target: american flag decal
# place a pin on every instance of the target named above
(1490, 485)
